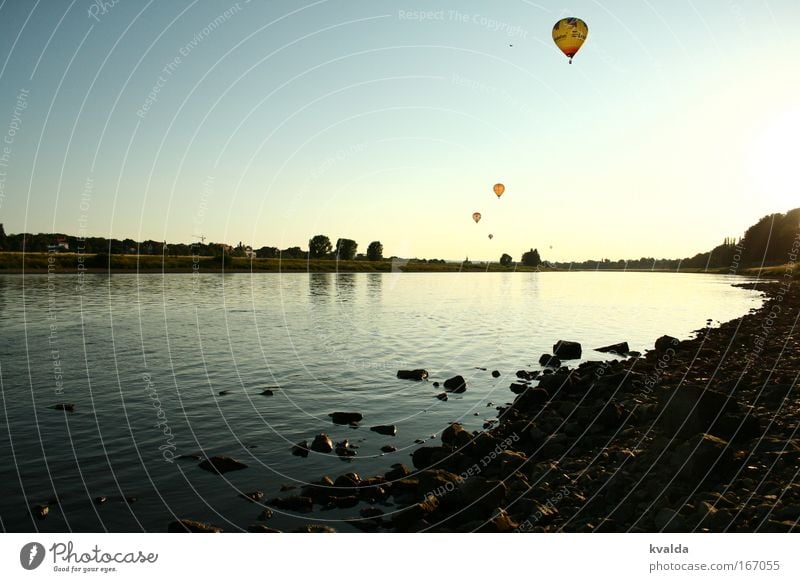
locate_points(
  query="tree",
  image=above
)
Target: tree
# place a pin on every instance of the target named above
(319, 246)
(346, 249)
(375, 251)
(505, 260)
(531, 258)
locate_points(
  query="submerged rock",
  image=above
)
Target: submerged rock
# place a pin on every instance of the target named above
(388, 449)
(300, 449)
(66, 406)
(346, 417)
(621, 349)
(417, 375)
(295, 503)
(442, 396)
(221, 465)
(549, 361)
(385, 429)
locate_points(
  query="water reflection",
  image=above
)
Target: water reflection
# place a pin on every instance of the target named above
(374, 286)
(345, 287)
(319, 286)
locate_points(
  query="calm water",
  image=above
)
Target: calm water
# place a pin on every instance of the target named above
(327, 342)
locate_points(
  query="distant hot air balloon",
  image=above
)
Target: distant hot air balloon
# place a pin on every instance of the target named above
(499, 189)
(491, 236)
(569, 35)
(476, 216)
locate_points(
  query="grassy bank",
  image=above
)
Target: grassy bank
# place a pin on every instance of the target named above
(72, 263)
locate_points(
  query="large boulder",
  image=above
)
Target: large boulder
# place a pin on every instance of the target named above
(417, 375)
(531, 399)
(621, 349)
(689, 410)
(300, 449)
(455, 384)
(322, 443)
(346, 417)
(666, 342)
(567, 350)
(455, 435)
(221, 465)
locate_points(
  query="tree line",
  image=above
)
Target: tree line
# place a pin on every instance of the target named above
(766, 242)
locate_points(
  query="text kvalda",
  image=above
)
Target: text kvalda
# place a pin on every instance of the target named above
(65, 553)
(671, 549)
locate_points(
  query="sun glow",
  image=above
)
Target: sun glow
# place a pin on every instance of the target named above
(772, 160)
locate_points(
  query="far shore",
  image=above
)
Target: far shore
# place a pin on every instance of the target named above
(72, 264)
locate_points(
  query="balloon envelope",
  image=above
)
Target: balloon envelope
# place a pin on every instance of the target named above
(569, 35)
(499, 189)
(476, 216)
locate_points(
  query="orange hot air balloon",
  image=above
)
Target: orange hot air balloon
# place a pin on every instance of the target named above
(491, 236)
(569, 35)
(476, 216)
(499, 189)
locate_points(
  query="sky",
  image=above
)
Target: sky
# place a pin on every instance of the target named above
(270, 122)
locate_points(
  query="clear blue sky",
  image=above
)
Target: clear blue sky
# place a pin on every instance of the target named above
(675, 126)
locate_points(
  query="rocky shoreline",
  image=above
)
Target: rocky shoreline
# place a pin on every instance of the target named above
(694, 435)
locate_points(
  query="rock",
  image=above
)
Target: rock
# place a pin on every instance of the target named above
(435, 384)
(344, 452)
(398, 471)
(621, 349)
(388, 449)
(417, 375)
(253, 495)
(669, 520)
(322, 443)
(294, 503)
(495, 373)
(549, 361)
(370, 512)
(567, 350)
(266, 514)
(689, 410)
(482, 492)
(260, 528)
(442, 396)
(40, 511)
(415, 513)
(66, 406)
(225, 392)
(531, 399)
(192, 526)
(456, 384)
(343, 501)
(455, 435)
(525, 375)
(346, 417)
(500, 523)
(706, 456)
(100, 500)
(385, 429)
(221, 465)
(315, 528)
(349, 481)
(666, 342)
(267, 392)
(424, 457)
(300, 449)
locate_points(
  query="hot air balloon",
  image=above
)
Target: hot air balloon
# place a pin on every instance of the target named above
(569, 35)
(499, 189)
(476, 216)
(491, 236)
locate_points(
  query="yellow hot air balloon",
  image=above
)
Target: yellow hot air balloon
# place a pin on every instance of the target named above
(476, 216)
(499, 189)
(569, 35)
